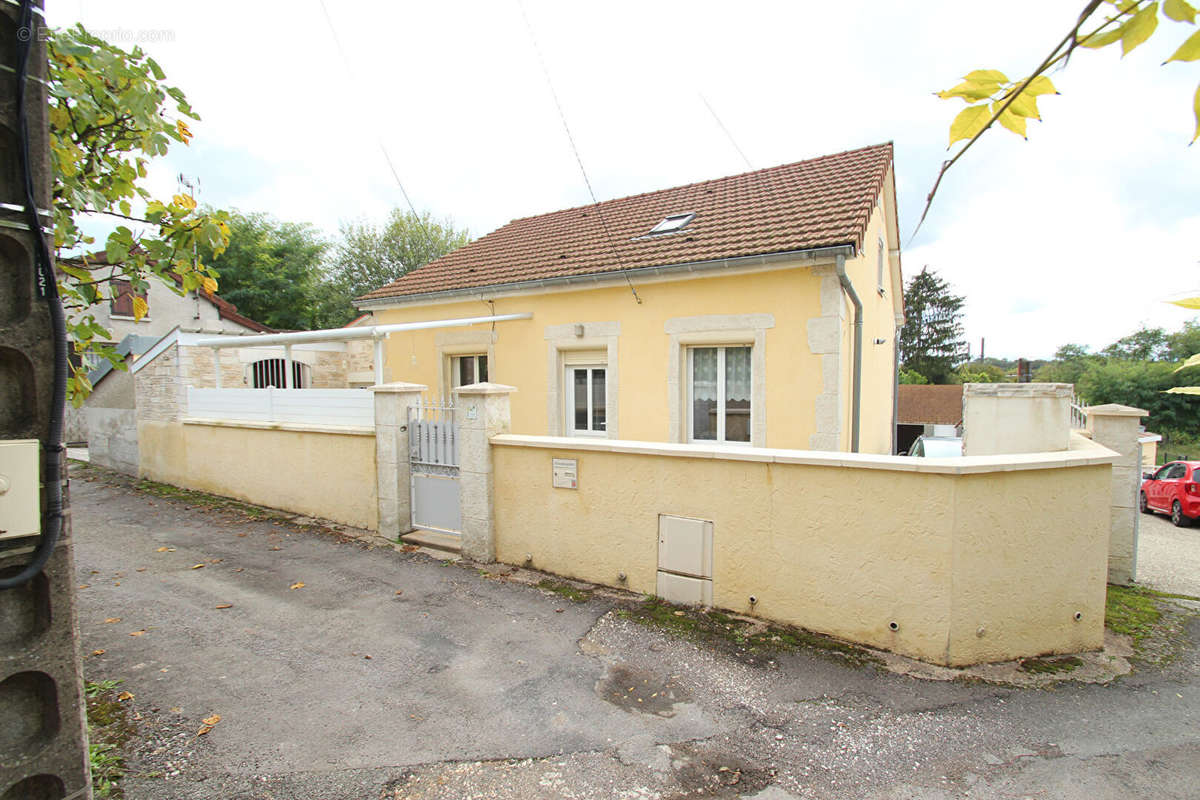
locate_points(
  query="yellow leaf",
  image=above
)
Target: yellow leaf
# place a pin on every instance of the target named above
(213, 720)
(98, 652)
(140, 308)
(297, 585)
(1189, 50)
(184, 200)
(166, 550)
(197, 566)
(111, 620)
(1024, 105)
(123, 696)
(1196, 111)
(1194, 361)
(969, 122)
(1179, 11)
(1099, 40)
(225, 605)
(1192, 390)
(210, 285)
(981, 75)
(137, 633)
(1190, 302)
(1139, 28)
(1039, 86)
(1013, 122)
(971, 91)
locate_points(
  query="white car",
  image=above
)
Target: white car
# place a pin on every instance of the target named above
(937, 447)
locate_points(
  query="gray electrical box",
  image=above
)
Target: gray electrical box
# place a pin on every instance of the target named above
(20, 488)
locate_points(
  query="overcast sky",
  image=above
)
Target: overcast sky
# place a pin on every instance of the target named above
(1077, 235)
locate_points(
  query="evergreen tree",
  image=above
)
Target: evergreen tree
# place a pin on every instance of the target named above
(932, 341)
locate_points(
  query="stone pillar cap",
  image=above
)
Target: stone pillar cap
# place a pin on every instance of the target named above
(485, 388)
(1116, 410)
(399, 386)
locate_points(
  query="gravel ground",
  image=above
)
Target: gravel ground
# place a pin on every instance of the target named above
(344, 672)
(1168, 557)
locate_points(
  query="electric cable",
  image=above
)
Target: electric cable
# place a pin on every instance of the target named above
(47, 289)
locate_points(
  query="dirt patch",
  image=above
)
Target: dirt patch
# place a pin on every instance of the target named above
(641, 691)
(703, 770)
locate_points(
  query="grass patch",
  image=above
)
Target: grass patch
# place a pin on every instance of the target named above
(1050, 666)
(748, 639)
(565, 590)
(1131, 611)
(203, 499)
(110, 727)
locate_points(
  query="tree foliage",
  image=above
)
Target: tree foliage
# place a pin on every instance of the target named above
(992, 97)
(368, 256)
(932, 341)
(110, 114)
(1144, 344)
(271, 270)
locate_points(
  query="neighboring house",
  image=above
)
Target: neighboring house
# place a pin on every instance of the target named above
(920, 408)
(196, 311)
(721, 311)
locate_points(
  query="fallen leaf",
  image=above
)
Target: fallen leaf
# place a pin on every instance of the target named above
(297, 585)
(83, 585)
(116, 583)
(215, 560)
(242, 536)
(239, 569)
(97, 652)
(198, 566)
(94, 572)
(225, 605)
(558, 611)
(137, 633)
(213, 720)
(176, 710)
(113, 619)
(399, 592)
(367, 657)
(679, 613)
(123, 696)
(165, 550)
(274, 547)
(141, 569)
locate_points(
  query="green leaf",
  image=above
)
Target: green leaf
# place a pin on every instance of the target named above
(1189, 50)
(1179, 11)
(1139, 28)
(986, 76)
(970, 121)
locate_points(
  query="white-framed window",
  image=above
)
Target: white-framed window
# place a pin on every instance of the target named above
(465, 370)
(719, 386)
(587, 400)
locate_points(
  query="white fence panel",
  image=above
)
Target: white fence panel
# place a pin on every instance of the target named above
(342, 407)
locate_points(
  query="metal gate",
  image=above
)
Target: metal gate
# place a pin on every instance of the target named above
(433, 457)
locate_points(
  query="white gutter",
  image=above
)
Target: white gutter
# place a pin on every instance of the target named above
(343, 334)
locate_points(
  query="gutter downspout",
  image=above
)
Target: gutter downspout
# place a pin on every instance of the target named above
(856, 386)
(895, 388)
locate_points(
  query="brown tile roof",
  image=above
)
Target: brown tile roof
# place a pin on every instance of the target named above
(929, 405)
(821, 202)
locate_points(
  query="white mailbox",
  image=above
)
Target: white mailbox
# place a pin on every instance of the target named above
(20, 488)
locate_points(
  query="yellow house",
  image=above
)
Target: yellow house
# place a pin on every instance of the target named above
(758, 309)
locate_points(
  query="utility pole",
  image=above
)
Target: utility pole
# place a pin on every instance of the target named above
(43, 738)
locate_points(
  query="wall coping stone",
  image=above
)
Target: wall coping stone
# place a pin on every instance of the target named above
(1066, 390)
(1116, 410)
(1083, 452)
(345, 430)
(397, 387)
(485, 388)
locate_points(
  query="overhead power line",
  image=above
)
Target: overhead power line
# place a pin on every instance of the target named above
(728, 135)
(578, 159)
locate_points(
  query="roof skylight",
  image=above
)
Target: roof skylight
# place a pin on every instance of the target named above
(673, 223)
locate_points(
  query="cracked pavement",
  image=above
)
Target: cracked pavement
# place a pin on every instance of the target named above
(392, 675)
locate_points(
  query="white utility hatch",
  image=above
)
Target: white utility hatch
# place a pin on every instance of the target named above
(20, 488)
(685, 547)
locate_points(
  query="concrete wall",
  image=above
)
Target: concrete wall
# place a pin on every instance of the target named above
(1000, 418)
(112, 438)
(795, 314)
(974, 559)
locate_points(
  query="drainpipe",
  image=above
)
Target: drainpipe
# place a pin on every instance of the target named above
(895, 387)
(856, 386)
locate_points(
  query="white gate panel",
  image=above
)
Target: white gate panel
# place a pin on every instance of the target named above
(435, 503)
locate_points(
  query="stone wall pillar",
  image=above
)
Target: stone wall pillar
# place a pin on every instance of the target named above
(481, 411)
(1003, 418)
(393, 473)
(1117, 428)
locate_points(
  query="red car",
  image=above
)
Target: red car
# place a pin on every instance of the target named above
(1174, 489)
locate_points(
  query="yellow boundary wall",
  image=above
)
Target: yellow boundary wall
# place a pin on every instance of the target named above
(325, 472)
(975, 559)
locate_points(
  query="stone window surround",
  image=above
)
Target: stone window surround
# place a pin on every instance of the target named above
(561, 339)
(717, 330)
(450, 344)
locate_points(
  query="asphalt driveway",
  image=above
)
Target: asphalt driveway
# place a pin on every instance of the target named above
(392, 675)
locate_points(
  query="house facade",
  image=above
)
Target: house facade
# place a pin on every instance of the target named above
(759, 309)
